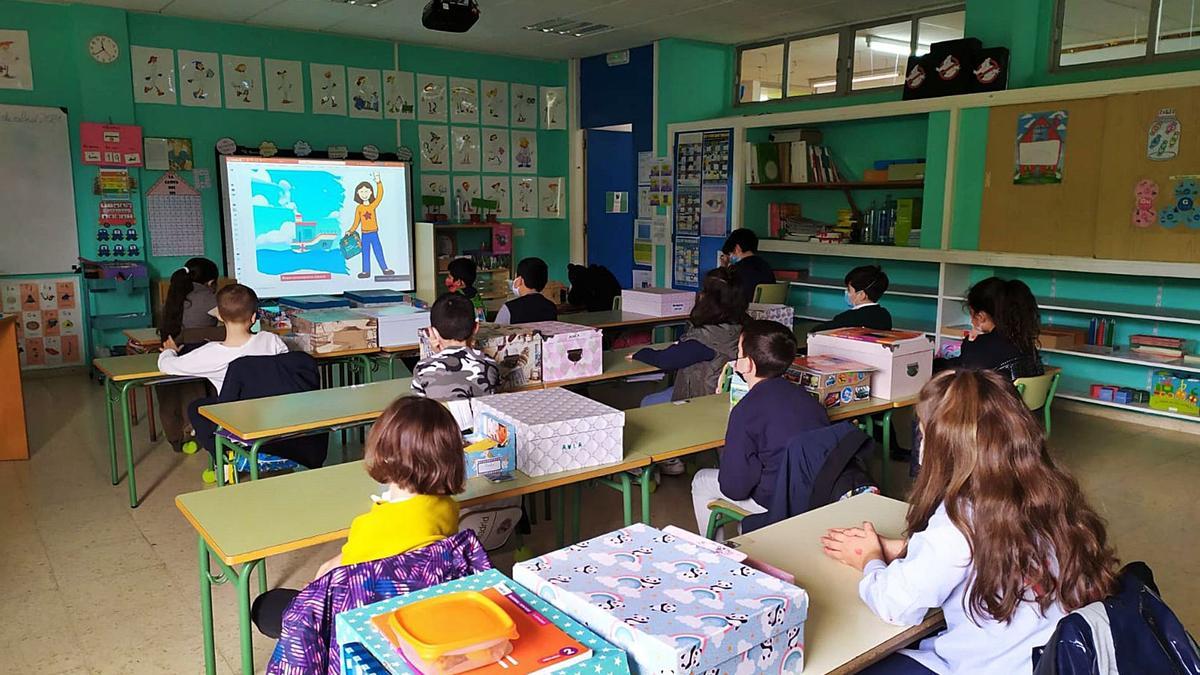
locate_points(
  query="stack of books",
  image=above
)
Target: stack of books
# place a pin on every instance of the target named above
(791, 156)
(1159, 347)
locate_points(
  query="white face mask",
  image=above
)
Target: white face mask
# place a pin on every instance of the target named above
(512, 286)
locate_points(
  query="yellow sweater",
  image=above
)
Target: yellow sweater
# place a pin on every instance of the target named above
(392, 528)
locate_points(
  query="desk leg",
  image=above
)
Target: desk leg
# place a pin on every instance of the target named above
(244, 629)
(219, 456)
(887, 451)
(627, 495)
(126, 389)
(560, 516)
(206, 613)
(109, 393)
(576, 499)
(647, 478)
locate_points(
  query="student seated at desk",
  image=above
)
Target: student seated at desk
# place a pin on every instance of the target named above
(741, 251)
(1004, 330)
(455, 370)
(864, 287)
(237, 306)
(460, 278)
(191, 296)
(761, 425)
(1001, 538)
(530, 305)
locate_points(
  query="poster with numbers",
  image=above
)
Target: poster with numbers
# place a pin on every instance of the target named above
(50, 329)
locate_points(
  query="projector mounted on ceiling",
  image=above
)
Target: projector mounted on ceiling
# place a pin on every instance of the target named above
(452, 16)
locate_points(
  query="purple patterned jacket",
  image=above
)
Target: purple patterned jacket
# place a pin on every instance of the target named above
(308, 645)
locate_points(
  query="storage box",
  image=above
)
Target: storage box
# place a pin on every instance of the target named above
(673, 607)
(306, 302)
(906, 171)
(657, 301)
(517, 351)
(557, 430)
(398, 324)
(908, 218)
(355, 632)
(502, 458)
(322, 331)
(569, 351)
(1059, 337)
(783, 314)
(1175, 392)
(903, 360)
(378, 296)
(833, 380)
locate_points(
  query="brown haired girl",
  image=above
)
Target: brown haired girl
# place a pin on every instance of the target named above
(416, 450)
(1000, 538)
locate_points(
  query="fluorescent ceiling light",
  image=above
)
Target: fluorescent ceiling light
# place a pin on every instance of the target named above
(569, 27)
(891, 46)
(858, 80)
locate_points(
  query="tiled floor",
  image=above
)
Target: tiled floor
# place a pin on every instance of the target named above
(91, 586)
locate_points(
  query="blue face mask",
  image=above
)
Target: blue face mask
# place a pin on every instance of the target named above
(734, 259)
(849, 300)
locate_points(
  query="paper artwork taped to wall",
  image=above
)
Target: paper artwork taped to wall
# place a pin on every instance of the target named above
(153, 74)
(525, 198)
(550, 196)
(464, 100)
(465, 148)
(435, 194)
(524, 106)
(1184, 210)
(16, 70)
(243, 82)
(554, 107)
(1144, 194)
(431, 97)
(466, 189)
(328, 83)
(495, 102)
(364, 93)
(435, 142)
(495, 150)
(285, 86)
(200, 83)
(1162, 141)
(398, 100)
(524, 149)
(498, 188)
(1040, 148)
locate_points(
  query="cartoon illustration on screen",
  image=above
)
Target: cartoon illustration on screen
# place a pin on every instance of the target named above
(368, 199)
(297, 221)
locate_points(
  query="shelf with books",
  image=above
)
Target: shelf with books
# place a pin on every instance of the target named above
(842, 185)
(1075, 390)
(928, 292)
(1129, 357)
(1167, 314)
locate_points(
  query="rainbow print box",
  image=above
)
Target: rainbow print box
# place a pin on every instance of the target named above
(673, 606)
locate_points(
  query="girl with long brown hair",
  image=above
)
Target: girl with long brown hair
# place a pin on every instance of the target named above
(1000, 538)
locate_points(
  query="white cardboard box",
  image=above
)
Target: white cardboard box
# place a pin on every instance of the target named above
(398, 324)
(657, 301)
(903, 359)
(558, 430)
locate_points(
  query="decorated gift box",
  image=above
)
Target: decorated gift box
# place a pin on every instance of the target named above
(833, 380)
(357, 632)
(517, 351)
(783, 314)
(321, 331)
(657, 301)
(903, 360)
(556, 429)
(492, 447)
(1175, 392)
(569, 351)
(398, 324)
(674, 607)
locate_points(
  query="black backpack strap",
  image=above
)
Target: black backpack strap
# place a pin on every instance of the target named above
(843, 454)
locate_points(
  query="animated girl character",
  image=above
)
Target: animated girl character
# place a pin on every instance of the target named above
(524, 156)
(368, 200)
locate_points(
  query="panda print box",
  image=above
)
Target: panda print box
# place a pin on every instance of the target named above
(674, 607)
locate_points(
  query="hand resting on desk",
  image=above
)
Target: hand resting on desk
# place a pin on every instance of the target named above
(856, 546)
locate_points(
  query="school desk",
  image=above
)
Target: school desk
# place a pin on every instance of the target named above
(619, 319)
(841, 635)
(143, 339)
(14, 439)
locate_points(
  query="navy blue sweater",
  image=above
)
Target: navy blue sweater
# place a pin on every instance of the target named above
(761, 425)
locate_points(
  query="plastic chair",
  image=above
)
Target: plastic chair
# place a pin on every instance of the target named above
(721, 513)
(617, 302)
(771, 294)
(1038, 392)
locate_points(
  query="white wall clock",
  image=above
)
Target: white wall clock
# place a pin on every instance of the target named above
(103, 49)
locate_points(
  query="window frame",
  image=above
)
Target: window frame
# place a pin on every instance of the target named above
(1153, 19)
(844, 68)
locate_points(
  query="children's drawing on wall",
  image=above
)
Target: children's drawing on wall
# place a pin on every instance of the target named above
(524, 149)
(464, 100)
(1040, 148)
(435, 195)
(153, 74)
(243, 82)
(466, 148)
(434, 141)
(179, 154)
(284, 86)
(201, 83)
(1183, 211)
(364, 93)
(495, 150)
(550, 197)
(16, 70)
(1162, 140)
(554, 107)
(328, 88)
(498, 188)
(398, 95)
(524, 106)
(431, 97)
(495, 102)
(1144, 194)
(466, 189)
(525, 199)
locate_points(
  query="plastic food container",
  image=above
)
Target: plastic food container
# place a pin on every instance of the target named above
(453, 633)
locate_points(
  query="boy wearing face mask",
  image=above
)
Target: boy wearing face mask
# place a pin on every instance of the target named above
(530, 305)
(460, 278)
(864, 287)
(761, 425)
(741, 250)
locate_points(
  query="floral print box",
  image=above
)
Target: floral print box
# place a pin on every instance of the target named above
(673, 606)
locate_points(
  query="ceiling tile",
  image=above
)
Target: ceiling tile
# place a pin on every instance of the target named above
(218, 10)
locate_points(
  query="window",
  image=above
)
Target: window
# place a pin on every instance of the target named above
(1098, 31)
(843, 60)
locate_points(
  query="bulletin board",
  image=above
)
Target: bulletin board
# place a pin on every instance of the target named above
(703, 191)
(50, 331)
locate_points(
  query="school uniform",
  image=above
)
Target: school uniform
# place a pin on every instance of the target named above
(173, 397)
(994, 351)
(212, 360)
(752, 271)
(529, 308)
(870, 315)
(697, 360)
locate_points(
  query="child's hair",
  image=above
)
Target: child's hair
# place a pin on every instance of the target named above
(534, 272)
(360, 186)
(462, 269)
(194, 271)
(869, 279)
(416, 444)
(1012, 307)
(1030, 530)
(237, 304)
(770, 345)
(742, 237)
(720, 300)
(453, 316)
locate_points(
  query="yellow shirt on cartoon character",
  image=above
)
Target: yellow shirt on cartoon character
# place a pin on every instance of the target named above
(364, 214)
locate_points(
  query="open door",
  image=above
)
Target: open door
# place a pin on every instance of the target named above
(610, 167)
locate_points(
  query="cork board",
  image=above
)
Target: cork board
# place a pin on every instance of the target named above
(1125, 163)
(1057, 219)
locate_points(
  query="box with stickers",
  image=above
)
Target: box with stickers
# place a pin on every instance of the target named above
(674, 606)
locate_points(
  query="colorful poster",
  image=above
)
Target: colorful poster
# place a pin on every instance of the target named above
(110, 144)
(466, 189)
(243, 82)
(435, 193)
(174, 217)
(364, 93)
(687, 262)
(645, 160)
(285, 86)
(434, 141)
(16, 70)
(179, 155)
(645, 210)
(431, 98)
(328, 84)
(464, 100)
(524, 106)
(688, 158)
(1182, 204)
(495, 102)
(524, 149)
(50, 332)
(687, 210)
(714, 211)
(153, 74)
(643, 253)
(1040, 147)
(550, 196)
(495, 150)
(1162, 140)
(525, 198)
(643, 278)
(199, 81)
(660, 230)
(465, 148)
(716, 154)
(554, 107)
(498, 188)
(398, 100)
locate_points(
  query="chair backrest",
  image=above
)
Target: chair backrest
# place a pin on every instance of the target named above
(616, 303)
(771, 294)
(1036, 391)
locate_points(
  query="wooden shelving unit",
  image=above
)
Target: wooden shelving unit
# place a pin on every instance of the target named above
(843, 185)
